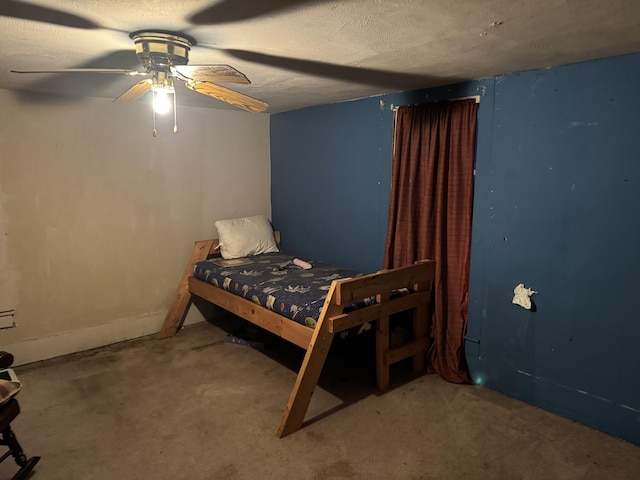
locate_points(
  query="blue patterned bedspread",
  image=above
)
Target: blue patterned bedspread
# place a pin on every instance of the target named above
(273, 281)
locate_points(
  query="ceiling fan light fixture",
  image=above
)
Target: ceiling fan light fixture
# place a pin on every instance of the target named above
(162, 86)
(161, 101)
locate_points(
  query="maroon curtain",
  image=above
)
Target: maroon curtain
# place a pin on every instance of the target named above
(430, 216)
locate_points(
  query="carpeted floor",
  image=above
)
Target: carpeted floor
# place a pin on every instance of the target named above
(197, 407)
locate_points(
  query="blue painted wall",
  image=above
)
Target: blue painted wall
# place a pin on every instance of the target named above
(557, 192)
(330, 175)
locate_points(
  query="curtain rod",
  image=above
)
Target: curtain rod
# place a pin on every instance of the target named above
(394, 108)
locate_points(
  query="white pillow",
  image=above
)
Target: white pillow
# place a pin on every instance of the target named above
(242, 237)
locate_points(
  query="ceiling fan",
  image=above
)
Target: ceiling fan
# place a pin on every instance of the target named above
(164, 56)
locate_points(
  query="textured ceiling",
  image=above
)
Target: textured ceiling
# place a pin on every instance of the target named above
(309, 52)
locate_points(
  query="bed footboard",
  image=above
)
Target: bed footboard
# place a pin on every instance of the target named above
(418, 278)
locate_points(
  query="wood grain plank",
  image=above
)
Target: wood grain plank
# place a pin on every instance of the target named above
(271, 321)
(309, 373)
(178, 310)
(353, 289)
(372, 312)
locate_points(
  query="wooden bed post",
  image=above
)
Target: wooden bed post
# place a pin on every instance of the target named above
(422, 318)
(421, 323)
(178, 309)
(309, 373)
(418, 347)
(382, 347)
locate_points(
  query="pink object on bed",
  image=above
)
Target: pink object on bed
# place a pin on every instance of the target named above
(302, 264)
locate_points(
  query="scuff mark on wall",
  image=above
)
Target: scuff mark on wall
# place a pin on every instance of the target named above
(7, 273)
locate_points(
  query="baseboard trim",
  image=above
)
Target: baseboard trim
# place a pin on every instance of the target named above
(78, 340)
(591, 409)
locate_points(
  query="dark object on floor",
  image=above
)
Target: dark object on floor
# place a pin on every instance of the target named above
(243, 341)
(9, 410)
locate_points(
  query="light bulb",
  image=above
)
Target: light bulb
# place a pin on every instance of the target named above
(161, 103)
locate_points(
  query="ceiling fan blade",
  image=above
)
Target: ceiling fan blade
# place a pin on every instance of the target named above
(119, 61)
(229, 96)
(28, 11)
(366, 76)
(210, 73)
(227, 11)
(136, 92)
(84, 70)
(79, 80)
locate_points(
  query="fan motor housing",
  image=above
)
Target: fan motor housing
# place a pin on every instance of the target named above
(160, 50)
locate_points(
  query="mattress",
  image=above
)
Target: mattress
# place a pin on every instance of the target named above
(273, 281)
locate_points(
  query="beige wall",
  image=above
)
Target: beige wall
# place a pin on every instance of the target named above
(97, 217)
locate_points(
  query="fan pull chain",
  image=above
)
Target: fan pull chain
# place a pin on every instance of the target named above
(175, 113)
(153, 111)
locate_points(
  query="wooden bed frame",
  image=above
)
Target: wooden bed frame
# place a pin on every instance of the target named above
(332, 320)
